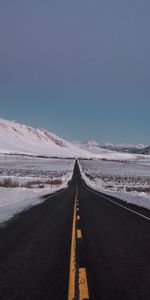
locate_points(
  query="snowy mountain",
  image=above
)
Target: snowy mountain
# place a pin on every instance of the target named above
(137, 146)
(128, 148)
(18, 138)
(146, 150)
(91, 146)
(97, 148)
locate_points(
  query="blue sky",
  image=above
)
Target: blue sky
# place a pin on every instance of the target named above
(78, 68)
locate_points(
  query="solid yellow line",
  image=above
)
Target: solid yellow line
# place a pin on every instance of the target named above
(71, 290)
(79, 234)
(83, 285)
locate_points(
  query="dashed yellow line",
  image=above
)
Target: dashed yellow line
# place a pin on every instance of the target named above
(71, 290)
(83, 285)
(79, 234)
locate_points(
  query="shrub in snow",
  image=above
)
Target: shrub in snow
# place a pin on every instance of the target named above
(8, 182)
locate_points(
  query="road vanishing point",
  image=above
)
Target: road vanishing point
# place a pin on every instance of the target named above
(78, 244)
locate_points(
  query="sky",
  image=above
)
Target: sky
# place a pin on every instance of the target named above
(78, 68)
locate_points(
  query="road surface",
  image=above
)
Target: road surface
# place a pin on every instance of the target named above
(78, 244)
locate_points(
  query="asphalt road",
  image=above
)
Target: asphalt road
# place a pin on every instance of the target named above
(35, 250)
(115, 248)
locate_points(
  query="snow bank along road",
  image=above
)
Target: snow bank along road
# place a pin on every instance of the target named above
(78, 244)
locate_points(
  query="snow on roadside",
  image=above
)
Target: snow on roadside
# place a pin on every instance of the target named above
(140, 199)
(15, 200)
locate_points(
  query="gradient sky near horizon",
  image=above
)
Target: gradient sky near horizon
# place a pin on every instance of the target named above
(78, 68)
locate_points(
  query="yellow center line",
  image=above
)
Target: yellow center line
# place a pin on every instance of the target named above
(71, 291)
(79, 234)
(83, 285)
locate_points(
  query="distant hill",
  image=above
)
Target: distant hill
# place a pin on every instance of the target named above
(18, 138)
(95, 147)
(135, 149)
(145, 151)
(107, 151)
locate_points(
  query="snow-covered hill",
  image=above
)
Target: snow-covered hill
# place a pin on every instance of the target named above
(97, 148)
(128, 148)
(92, 146)
(18, 138)
(122, 146)
(112, 152)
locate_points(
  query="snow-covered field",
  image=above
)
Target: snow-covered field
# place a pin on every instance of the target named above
(33, 177)
(129, 181)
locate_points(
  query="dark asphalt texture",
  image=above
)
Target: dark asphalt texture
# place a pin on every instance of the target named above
(35, 249)
(116, 246)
